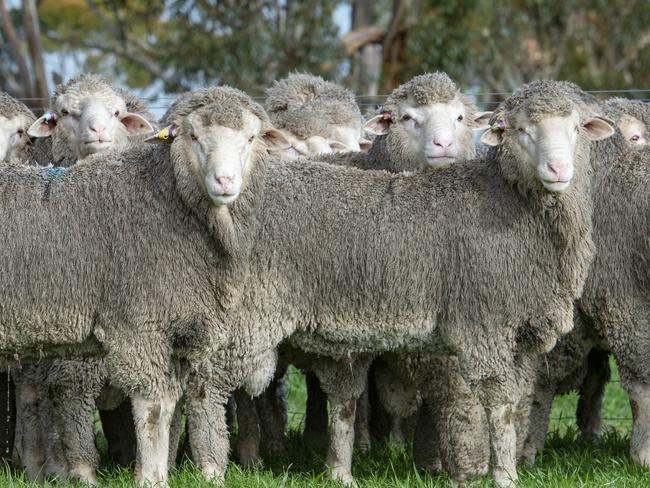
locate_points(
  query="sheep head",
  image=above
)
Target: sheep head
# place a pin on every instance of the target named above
(220, 134)
(634, 131)
(15, 120)
(429, 121)
(91, 115)
(544, 128)
(315, 115)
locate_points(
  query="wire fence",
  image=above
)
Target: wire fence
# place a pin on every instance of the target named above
(483, 99)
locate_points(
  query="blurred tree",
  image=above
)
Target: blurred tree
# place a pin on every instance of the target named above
(187, 43)
(21, 53)
(499, 46)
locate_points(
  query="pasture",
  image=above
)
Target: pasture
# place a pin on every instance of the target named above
(566, 461)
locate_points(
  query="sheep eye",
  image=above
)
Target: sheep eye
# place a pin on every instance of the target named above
(460, 118)
(406, 117)
(577, 128)
(21, 132)
(65, 113)
(251, 138)
(193, 137)
(634, 138)
(117, 113)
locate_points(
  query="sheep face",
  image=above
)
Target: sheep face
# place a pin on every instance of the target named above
(222, 153)
(547, 144)
(92, 121)
(340, 139)
(437, 134)
(13, 136)
(634, 131)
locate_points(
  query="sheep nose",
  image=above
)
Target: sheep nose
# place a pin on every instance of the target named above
(555, 168)
(97, 127)
(225, 182)
(443, 142)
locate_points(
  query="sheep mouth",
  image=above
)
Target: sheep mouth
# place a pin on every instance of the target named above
(96, 145)
(440, 160)
(556, 185)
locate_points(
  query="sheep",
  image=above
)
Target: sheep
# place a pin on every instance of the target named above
(15, 120)
(88, 115)
(70, 451)
(443, 104)
(579, 361)
(316, 116)
(157, 289)
(395, 277)
(426, 122)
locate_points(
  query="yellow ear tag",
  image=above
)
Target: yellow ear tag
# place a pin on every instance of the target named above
(164, 134)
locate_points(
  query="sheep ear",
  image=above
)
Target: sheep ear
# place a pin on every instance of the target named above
(165, 136)
(44, 126)
(364, 144)
(482, 120)
(379, 124)
(492, 137)
(598, 128)
(337, 146)
(275, 140)
(136, 124)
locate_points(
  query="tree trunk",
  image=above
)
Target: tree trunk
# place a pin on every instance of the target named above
(17, 51)
(367, 60)
(33, 31)
(395, 43)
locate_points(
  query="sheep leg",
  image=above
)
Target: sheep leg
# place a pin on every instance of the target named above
(426, 441)
(640, 441)
(339, 456)
(592, 392)
(207, 430)
(344, 382)
(29, 440)
(248, 441)
(537, 419)
(272, 411)
(117, 425)
(152, 420)
(315, 434)
(503, 443)
(72, 415)
(361, 423)
(175, 434)
(458, 421)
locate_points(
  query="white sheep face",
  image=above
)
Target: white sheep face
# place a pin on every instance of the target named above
(549, 145)
(13, 135)
(93, 121)
(437, 134)
(342, 138)
(634, 131)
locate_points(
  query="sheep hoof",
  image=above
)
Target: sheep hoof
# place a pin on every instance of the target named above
(641, 457)
(85, 475)
(250, 460)
(504, 479)
(343, 476)
(431, 466)
(213, 473)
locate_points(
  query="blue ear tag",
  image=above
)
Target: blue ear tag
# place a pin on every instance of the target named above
(49, 117)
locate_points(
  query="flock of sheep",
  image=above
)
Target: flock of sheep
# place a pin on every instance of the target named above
(466, 290)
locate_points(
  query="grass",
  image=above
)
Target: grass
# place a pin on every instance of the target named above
(566, 462)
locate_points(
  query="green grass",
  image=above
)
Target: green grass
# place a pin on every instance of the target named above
(566, 462)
